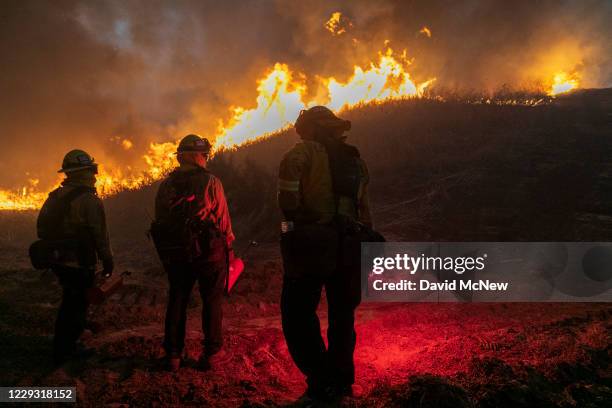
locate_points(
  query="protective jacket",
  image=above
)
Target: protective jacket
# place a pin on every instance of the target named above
(86, 212)
(211, 204)
(305, 188)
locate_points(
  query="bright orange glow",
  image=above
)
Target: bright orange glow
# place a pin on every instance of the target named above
(127, 144)
(281, 96)
(562, 82)
(337, 23)
(383, 81)
(426, 31)
(24, 198)
(278, 104)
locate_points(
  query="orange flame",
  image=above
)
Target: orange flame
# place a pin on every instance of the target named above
(338, 24)
(24, 198)
(563, 82)
(278, 104)
(426, 31)
(381, 82)
(280, 98)
(127, 144)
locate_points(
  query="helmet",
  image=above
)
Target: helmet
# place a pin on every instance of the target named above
(77, 160)
(194, 143)
(320, 116)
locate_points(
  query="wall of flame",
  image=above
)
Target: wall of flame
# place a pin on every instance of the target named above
(281, 96)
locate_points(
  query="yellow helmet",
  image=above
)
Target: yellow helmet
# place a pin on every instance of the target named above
(76, 160)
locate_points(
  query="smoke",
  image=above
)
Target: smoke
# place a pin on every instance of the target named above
(111, 77)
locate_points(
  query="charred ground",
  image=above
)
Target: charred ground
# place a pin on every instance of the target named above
(440, 171)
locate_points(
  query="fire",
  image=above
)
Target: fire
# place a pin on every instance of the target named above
(338, 24)
(281, 96)
(278, 104)
(381, 82)
(127, 144)
(426, 31)
(24, 198)
(159, 160)
(563, 82)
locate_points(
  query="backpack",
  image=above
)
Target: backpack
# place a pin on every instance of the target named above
(346, 174)
(54, 244)
(345, 167)
(182, 236)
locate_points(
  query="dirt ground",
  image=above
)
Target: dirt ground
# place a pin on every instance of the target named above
(482, 354)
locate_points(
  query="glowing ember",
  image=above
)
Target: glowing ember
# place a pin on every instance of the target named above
(562, 82)
(280, 99)
(426, 31)
(127, 144)
(337, 23)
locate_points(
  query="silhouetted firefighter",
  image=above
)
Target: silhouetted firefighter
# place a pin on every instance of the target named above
(323, 194)
(193, 235)
(73, 235)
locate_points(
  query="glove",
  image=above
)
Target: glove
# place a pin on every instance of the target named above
(109, 266)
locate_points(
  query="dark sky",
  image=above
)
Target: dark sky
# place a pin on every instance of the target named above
(90, 73)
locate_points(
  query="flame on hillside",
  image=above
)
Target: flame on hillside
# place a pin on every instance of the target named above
(279, 101)
(281, 96)
(563, 82)
(24, 198)
(383, 81)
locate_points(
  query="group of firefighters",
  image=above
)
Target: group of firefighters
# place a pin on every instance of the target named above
(323, 196)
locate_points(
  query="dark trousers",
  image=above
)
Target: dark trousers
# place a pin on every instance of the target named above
(182, 277)
(300, 298)
(72, 312)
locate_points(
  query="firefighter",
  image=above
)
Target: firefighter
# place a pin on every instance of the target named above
(323, 195)
(193, 235)
(72, 221)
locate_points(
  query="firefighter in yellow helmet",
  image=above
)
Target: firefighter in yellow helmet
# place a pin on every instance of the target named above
(193, 235)
(72, 224)
(323, 195)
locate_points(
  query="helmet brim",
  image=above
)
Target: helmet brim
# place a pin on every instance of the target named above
(207, 151)
(73, 169)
